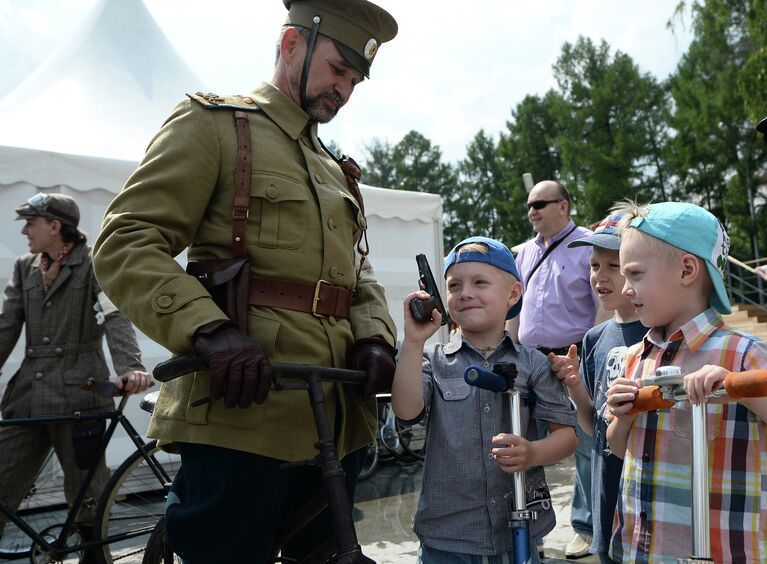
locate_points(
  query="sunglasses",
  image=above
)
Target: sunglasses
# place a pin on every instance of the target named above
(540, 204)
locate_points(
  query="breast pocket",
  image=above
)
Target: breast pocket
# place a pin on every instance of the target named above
(680, 421)
(453, 390)
(278, 208)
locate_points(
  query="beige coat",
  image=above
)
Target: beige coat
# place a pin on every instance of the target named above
(303, 226)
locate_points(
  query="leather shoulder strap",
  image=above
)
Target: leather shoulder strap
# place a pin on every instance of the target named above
(241, 204)
(212, 101)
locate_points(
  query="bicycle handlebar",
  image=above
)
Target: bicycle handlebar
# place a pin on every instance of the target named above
(186, 363)
(737, 385)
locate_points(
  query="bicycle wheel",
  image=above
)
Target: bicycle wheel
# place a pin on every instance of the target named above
(412, 438)
(133, 502)
(371, 461)
(43, 508)
(157, 550)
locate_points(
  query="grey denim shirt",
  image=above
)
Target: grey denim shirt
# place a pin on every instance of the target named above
(465, 501)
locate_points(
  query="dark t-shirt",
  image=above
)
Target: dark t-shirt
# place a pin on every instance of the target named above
(604, 360)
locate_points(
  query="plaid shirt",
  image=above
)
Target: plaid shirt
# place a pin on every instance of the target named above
(653, 518)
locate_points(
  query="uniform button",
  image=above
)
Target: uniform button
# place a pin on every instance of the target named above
(333, 271)
(39, 376)
(46, 340)
(272, 192)
(331, 320)
(164, 301)
(486, 364)
(58, 350)
(331, 223)
(487, 408)
(30, 351)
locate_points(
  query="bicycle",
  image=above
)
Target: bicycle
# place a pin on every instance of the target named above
(401, 441)
(334, 495)
(43, 528)
(663, 390)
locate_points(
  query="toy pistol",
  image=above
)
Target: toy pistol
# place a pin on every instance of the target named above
(421, 309)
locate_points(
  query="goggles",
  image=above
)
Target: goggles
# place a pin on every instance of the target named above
(39, 202)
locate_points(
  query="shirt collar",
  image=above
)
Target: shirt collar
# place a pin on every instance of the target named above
(558, 235)
(693, 333)
(457, 341)
(282, 110)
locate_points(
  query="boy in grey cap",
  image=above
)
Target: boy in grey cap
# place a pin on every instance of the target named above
(467, 449)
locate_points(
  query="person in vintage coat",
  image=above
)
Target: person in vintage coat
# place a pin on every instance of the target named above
(54, 297)
(299, 223)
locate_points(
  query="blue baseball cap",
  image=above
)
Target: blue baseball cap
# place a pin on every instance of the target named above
(606, 235)
(696, 231)
(498, 255)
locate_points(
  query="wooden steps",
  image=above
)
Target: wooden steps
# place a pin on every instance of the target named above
(749, 319)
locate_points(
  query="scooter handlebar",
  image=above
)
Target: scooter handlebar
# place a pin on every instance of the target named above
(738, 385)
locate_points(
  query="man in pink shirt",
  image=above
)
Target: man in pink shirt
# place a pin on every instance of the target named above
(558, 308)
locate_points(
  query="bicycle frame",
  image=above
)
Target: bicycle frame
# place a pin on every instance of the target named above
(309, 378)
(58, 548)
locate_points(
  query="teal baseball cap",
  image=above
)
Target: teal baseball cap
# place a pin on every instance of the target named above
(498, 255)
(696, 231)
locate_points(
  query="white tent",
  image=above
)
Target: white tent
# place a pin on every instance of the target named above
(112, 94)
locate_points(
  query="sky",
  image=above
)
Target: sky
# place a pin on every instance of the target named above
(454, 68)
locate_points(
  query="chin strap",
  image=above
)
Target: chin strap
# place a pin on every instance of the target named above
(308, 58)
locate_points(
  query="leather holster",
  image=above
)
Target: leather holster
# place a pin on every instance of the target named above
(227, 282)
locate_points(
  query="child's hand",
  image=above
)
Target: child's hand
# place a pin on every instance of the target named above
(621, 395)
(420, 331)
(515, 455)
(566, 367)
(703, 381)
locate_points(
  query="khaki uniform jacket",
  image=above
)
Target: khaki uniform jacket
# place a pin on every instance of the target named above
(303, 225)
(63, 338)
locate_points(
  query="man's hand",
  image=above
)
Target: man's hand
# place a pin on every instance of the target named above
(376, 357)
(240, 371)
(566, 367)
(134, 382)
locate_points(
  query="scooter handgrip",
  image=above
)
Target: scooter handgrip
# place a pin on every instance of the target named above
(649, 398)
(477, 376)
(178, 366)
(747, 384)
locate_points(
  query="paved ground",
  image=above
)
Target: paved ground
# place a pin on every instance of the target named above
(386, 503)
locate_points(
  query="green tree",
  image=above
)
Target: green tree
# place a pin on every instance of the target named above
(609, 121)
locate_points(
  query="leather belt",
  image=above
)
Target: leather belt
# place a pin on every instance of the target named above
(321, 299)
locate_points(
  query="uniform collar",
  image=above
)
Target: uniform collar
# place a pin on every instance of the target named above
(693, 333)
(282, 110)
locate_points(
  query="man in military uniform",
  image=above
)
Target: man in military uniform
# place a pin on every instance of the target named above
(54, 296)
(282, 203)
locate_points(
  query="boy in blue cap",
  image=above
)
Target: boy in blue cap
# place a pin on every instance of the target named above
(673, 255)
(603, 360)
(464, 507)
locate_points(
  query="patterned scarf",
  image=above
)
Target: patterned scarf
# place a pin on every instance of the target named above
(50, 269)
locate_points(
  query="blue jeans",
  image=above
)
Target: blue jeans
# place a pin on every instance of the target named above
(580, 511)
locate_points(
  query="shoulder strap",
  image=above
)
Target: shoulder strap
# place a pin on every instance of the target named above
(212, 101)
(241, 204)
(547, 253)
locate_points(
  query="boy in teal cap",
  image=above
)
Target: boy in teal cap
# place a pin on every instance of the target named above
(464, 508)
(673, 257)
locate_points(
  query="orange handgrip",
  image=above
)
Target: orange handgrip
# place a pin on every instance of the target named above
(649, 398)
(748, 384)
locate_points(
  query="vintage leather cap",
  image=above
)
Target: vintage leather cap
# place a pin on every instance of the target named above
(51, 206)
(357, 27)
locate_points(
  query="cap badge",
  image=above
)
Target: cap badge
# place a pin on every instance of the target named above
(371, 48)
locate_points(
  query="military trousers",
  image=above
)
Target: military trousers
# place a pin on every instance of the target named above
(23, 451)
(229, 506)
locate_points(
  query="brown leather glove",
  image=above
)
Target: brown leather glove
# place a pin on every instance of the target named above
(376, 357)
(240, 371)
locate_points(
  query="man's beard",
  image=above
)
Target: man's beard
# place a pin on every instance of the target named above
(317, 110)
